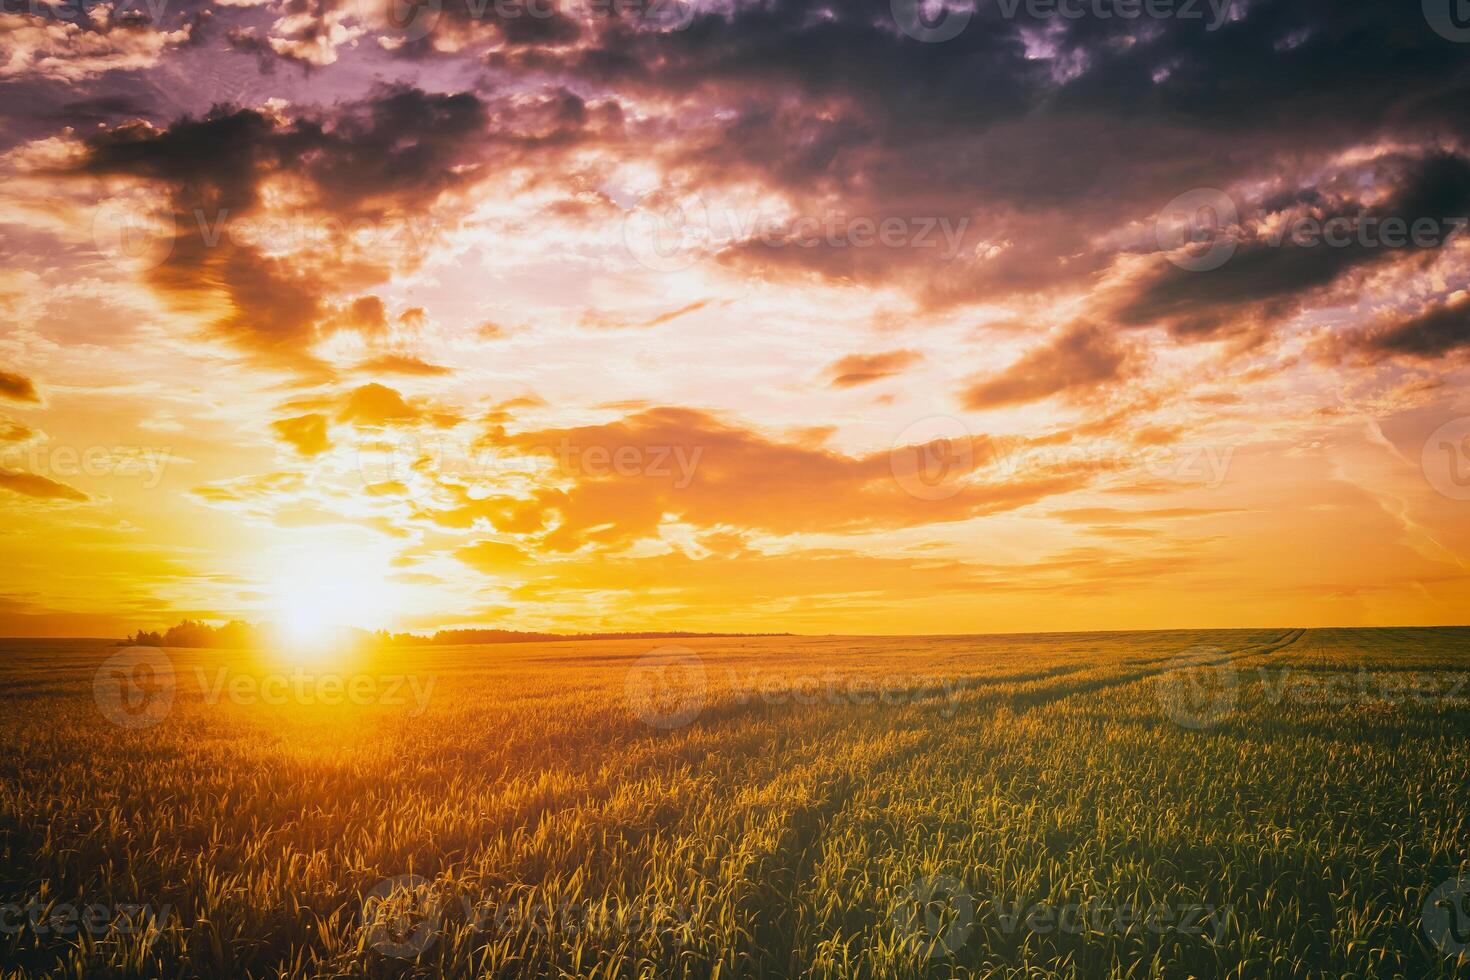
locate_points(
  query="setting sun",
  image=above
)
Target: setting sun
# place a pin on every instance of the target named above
(318, 596)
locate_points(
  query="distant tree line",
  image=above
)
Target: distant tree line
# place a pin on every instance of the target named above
(192, 633)
(239, 634)
(480, 637)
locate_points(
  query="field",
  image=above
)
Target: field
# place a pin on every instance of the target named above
(1279, 803)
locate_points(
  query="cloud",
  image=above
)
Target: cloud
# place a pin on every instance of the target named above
(401, 364)
(376, 406)
(861, 369)
(493, 556)
(365, 315)
(1294, 247)
(663, 318)
(1089, 515)
(17, 387)
(42, 44)
(248, 489)
(619, 481)
(1080, 359)
(13, 431)
(307, 433)
(269, 279)
(31, 485)
(1434, 331)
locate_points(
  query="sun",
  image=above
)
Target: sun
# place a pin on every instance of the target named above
(320, 595)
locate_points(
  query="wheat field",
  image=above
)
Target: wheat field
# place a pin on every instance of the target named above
(1272, 803)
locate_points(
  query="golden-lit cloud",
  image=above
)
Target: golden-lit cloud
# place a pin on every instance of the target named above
(17, 387)
(40, 487)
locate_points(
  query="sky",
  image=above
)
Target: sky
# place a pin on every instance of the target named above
(724, 315)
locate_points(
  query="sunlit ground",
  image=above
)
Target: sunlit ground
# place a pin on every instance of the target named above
(754, 806)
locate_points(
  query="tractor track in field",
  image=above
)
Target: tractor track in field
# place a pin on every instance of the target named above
(1037, 699)
(778, 933)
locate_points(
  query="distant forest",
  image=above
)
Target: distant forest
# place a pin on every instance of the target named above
(237, 634)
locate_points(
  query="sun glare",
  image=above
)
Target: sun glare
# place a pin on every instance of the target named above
(319, 598)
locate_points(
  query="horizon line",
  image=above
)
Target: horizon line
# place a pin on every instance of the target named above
(701, 634)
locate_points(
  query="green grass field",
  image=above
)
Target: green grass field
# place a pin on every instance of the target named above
(1274, 803)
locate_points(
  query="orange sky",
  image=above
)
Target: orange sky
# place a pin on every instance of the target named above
(440, 334)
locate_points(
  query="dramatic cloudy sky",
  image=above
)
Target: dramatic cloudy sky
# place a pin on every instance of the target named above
(721, 314)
